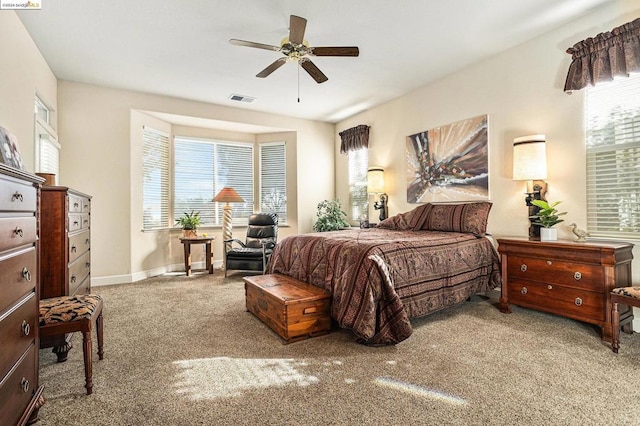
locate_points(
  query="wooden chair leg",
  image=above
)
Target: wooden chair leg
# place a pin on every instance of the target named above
(88, 359)
(100, 335)
(615, 325)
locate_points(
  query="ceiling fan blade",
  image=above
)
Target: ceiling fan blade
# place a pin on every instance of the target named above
(314, 71)
(297, 25)
(335, 51)
(252, 44)
(271, 68)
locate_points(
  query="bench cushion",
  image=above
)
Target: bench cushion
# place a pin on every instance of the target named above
(68, 308)
(627, 291)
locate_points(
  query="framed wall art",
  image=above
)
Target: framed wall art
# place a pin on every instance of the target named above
(449, 163)
(9, 152)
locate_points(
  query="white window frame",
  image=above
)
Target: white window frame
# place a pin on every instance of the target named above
(358, 208)
(160, 188)
(47, 147)
(273, 199)
(612, 121)
(212, 214)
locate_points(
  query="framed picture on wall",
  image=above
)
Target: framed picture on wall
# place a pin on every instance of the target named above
(9, 152)
(449, 163)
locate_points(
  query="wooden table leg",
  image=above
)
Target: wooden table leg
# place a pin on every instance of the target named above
(187, 258)
(209, 258)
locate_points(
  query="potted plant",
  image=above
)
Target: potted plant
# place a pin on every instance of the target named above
(189, 223)
(546, 218)
(330, 216)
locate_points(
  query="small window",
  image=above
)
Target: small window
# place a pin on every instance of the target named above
(273, 179)
(613, 158)
(47, 150)
(358, 197)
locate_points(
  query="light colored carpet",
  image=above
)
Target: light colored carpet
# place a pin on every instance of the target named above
(183, 351)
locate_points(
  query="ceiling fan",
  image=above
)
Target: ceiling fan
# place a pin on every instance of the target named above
(296, 49)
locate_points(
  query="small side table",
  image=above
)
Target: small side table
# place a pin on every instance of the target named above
(187, 252)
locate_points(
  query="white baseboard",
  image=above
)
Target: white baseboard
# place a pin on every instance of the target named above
(137, 276)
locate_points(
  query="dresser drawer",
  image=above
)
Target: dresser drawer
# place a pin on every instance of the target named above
(75, 203)
(78, 221)
(574, 303)
(75, 222)
(17, 276)
(551, 271)
(16, 389)
(78, 245)
(85, 286)
(17, 231)
(78, 270)
(17, 330)
(17, 196)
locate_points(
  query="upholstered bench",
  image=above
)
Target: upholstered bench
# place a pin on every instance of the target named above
(68, 314)
(629, 296)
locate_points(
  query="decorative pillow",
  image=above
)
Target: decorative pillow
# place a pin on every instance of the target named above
(466, 217)
(405, 221)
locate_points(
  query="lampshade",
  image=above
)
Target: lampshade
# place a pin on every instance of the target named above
(228, 195)
(375, 180)
(529, 158)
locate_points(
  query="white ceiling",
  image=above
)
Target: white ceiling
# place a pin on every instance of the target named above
(181, 48)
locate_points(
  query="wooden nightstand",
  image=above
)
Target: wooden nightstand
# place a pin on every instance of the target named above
(566, 278)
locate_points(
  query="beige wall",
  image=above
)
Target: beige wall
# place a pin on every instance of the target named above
(100, 131)
(23, 74)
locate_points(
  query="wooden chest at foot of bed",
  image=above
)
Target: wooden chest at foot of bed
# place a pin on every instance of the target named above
(293, 309)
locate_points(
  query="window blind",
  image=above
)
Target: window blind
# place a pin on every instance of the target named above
(613, 158)
(49, 155)
(273, 179)
(155, 176)
(358, 197)
(202, 168)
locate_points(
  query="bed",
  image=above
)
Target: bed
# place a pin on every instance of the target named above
(413, 264)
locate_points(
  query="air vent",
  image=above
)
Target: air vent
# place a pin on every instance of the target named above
(241, 98)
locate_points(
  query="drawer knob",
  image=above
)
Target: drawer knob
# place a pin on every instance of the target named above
(524, 290)
(87, 241)
(578, 301)
(74, 248)
(26, 328)
(24, 385)
(75, 223)
(73, 279)
(88, 264)
(26, 274)
(76, 204)
(18, 231)
(549, 262)
(523, 267)
(549, 287)
(577, 276)
(17, 196)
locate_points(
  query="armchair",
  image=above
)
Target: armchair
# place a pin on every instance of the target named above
(254, 253)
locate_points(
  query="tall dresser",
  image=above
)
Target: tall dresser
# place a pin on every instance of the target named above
(66, 251)
(20, 393)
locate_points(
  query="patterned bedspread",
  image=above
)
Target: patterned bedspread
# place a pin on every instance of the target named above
(380, 278)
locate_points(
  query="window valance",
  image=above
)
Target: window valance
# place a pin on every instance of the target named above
(354, 138)
(605, 56)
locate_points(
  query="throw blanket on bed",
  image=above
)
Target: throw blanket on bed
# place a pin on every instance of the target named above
(379, 278)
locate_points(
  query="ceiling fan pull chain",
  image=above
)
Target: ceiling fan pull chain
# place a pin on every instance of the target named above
(298, 82)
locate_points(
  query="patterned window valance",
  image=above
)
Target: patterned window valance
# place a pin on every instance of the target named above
(610, 54)
(354, 138)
